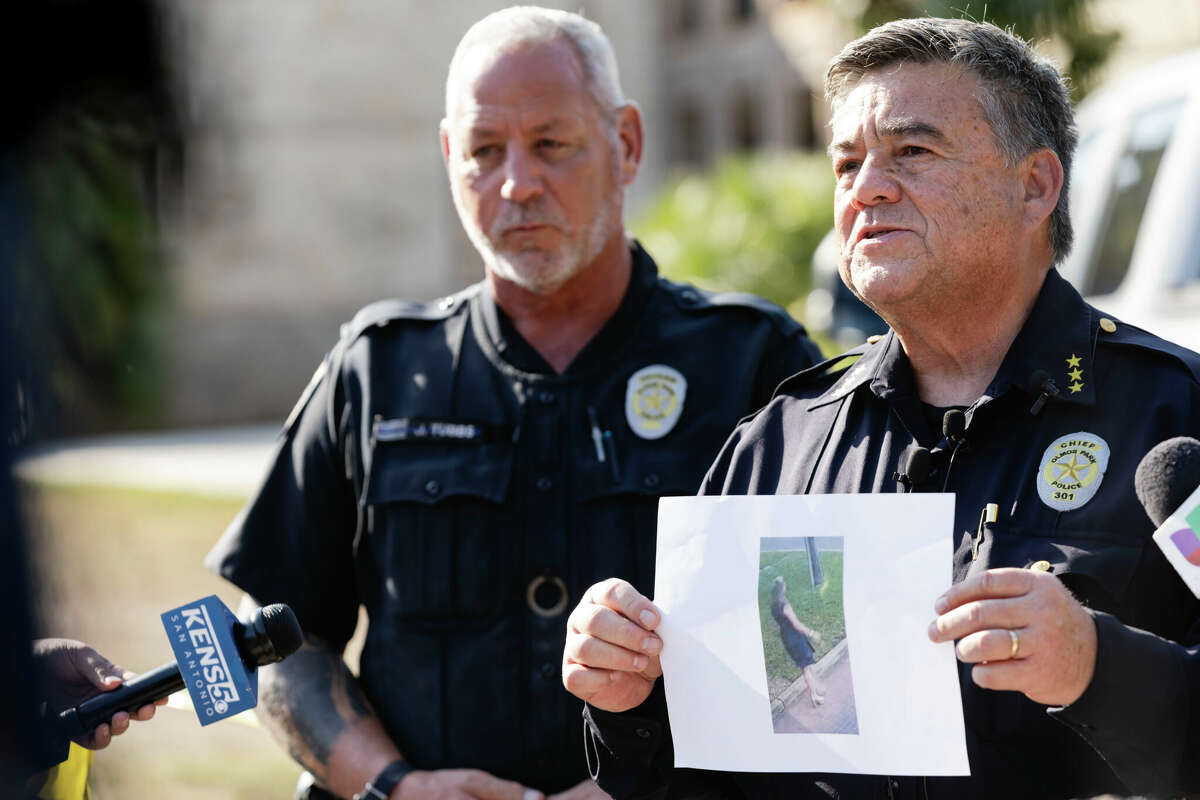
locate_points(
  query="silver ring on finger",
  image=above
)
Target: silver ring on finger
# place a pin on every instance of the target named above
(1016, 643)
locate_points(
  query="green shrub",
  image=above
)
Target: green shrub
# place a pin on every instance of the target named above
(90, 284)
(750, 225)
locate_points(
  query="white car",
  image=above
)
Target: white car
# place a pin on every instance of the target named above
(1135, 207)
(1135, 199)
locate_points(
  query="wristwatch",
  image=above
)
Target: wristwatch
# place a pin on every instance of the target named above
(379, 787)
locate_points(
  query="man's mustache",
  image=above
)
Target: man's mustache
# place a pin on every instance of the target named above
(512, 216)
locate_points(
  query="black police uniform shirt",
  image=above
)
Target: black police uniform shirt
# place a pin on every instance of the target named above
(439, 473)
(1120, 392)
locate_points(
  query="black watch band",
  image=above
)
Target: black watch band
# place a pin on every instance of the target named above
(382, 784)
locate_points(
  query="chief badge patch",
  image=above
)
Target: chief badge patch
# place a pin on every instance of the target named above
(1071, 470)
(654, 400)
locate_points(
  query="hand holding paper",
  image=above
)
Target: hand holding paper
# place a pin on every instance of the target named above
(1024, 632)
(610, 660)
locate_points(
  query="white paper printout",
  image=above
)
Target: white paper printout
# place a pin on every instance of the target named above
(737, 674)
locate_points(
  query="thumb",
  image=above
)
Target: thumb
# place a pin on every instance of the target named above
(100, 672)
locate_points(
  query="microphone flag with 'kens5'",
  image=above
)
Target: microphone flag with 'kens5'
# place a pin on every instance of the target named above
(219, 683)
(1168, 485)
(216, 660)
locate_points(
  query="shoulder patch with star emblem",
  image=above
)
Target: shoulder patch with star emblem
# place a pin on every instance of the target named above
(1071, 470)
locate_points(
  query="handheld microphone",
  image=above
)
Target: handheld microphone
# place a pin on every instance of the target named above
(1167, 483)
(216, 663)
(916, 469)
(1041, 384)
(1166, 476)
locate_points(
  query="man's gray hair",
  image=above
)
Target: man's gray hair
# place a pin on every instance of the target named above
(520, 25)
(1025, 99)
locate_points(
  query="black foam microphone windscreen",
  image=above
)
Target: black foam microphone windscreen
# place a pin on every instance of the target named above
(1166, 476)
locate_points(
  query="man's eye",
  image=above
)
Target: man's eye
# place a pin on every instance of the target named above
(550, 144)
(913, 150)
(484, 151)
(845, 166)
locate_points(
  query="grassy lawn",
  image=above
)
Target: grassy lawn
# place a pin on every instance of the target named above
(107, 562)
(819, 609)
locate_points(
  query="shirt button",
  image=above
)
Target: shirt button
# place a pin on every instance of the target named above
(651, 481)
(433, 488)
(544, 484)
(642, 733)
(546, 398)
(548, 670)
(1040, 566)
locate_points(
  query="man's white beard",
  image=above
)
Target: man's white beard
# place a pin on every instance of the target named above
(538, 271)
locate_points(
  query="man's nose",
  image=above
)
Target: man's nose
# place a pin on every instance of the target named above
(874, 184)
(522, 176)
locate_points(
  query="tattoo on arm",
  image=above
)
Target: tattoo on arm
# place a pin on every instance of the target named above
(309, 700)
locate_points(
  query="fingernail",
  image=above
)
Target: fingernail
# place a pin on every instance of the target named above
(648, 617)
(531, 794)
(651, 645)
(939, 605)
(639, 662)
(933, 631)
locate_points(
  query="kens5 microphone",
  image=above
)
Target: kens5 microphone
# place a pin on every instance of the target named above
(216, 660)
(1167, 483)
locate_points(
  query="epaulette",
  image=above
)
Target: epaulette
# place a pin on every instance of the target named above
(384, 312)
(809, 376)
(690, 298)
(1125, 335)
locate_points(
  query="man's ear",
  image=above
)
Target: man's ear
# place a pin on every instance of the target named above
(1042, 180)
(629, 131)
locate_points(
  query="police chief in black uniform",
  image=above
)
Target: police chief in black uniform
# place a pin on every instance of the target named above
(464, 469)
(952, 146)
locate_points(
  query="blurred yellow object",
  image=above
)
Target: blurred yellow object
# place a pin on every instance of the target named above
(68, 780)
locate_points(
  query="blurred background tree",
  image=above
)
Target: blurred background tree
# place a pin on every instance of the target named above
(86, 170)
(750, 224)
(93, 282)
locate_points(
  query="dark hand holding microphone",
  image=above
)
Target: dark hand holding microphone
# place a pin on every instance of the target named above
(216, 661)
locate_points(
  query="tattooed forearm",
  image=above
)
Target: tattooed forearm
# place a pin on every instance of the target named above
(308, 701)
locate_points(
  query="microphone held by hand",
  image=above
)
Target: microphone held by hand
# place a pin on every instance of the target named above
(223, 676)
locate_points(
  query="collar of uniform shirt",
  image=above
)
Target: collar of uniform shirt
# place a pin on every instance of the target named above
(520, 354)
(1057, 338)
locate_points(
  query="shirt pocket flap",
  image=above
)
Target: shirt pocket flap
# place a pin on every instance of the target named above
(1097, 568)
(427, 474)
(648, 477)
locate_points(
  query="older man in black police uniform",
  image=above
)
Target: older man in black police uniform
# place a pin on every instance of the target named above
(464, 469)
(951, 146)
